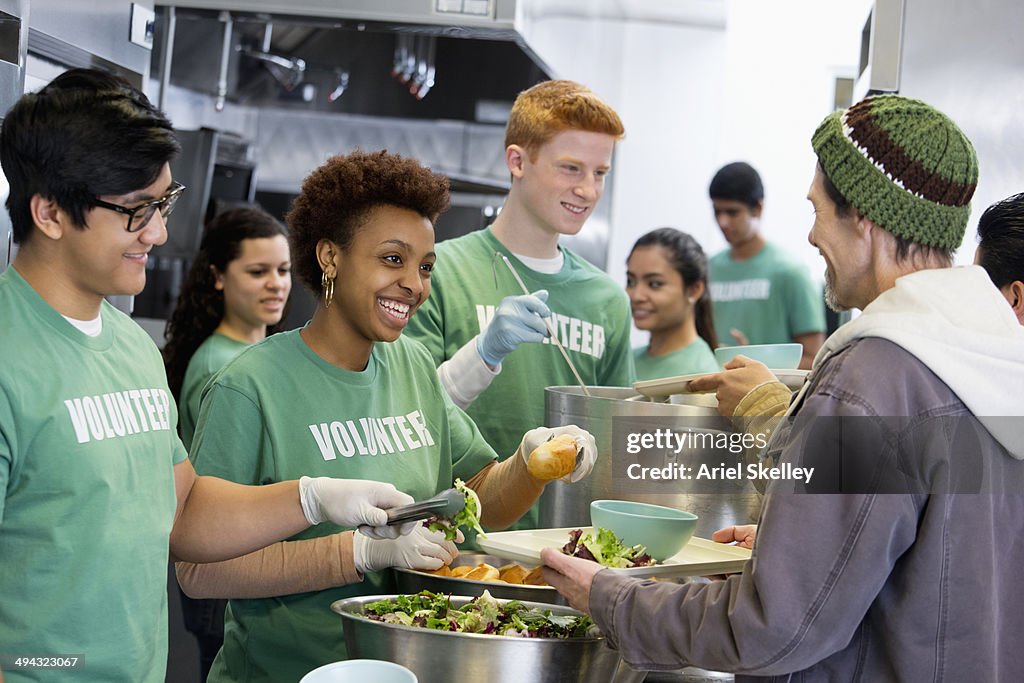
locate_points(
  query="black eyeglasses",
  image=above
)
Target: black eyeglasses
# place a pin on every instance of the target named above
(139, 216)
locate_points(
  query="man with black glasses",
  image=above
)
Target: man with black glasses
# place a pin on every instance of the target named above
(92, 474)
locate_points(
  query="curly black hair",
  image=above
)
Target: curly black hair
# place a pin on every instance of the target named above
(200, 307)
(336, 198)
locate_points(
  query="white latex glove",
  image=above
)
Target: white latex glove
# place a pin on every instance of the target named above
(584, 440)
(518, 319)
(421, 549)
(353, 502)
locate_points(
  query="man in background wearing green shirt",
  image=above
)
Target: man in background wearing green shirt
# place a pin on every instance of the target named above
(492, 343)
(760, 293)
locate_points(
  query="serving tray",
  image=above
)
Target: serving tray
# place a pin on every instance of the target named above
(699, 557)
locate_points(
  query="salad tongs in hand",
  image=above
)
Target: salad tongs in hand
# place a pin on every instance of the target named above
(446, 504)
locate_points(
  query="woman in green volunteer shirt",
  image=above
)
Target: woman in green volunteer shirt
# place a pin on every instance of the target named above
(666, 280)
(331, 397)
(233, 296)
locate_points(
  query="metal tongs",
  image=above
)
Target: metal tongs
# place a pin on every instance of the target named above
(547, 322)
(446, 504)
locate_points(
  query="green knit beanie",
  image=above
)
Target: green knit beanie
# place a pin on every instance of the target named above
(904, 165)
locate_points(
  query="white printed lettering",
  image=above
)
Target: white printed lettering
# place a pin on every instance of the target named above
(381, 437)
(150, 410)
(585, 342)
(574, 334)
(407, 434)
(757, 289)
(108, 433)
(125, 406)
(92, 416)
(135, 395)
(77, 419)
(390, 422)
(355, 437)
(416, 420)
(322, 436)
(341, 440)
(598, 341)
(110, 401)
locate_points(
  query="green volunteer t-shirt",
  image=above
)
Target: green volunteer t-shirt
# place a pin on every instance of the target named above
(213, 354)
(279, 412)
(591, 314)
(693, 358)
(87, 498)
(769, 297)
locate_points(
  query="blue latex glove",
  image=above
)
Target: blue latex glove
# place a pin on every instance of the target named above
(518, 319)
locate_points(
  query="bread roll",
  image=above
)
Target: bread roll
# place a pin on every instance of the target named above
(553, 459)
(482, 572)
(461, 571)
(535, 577)
(445, 570)
(512, 573)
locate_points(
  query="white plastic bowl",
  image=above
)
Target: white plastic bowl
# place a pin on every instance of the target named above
(360, 671)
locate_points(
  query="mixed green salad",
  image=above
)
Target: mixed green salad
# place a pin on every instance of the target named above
(606, 548)
(483, 615)
(468, 517)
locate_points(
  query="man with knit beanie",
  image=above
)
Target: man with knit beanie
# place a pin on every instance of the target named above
(893, 563)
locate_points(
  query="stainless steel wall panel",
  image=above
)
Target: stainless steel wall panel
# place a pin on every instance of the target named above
(967, 59)
(98, 27)
(14, 19)
(291, 146)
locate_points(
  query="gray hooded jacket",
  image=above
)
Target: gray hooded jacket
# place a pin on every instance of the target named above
(919, 585)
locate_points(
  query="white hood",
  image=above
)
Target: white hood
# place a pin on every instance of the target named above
(957, 323)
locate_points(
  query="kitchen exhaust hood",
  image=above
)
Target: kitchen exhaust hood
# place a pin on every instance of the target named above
(415, 59)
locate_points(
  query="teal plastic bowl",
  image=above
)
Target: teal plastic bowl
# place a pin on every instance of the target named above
(775, 356)
(662, 530)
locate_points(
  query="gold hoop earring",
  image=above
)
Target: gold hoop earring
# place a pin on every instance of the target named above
(327, 283)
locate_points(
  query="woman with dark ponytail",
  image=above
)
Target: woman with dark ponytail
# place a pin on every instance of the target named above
(234, 296)
(666, 280)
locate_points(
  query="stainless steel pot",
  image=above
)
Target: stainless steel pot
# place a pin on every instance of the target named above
(448, 657)
(412, 581)
(564, 505)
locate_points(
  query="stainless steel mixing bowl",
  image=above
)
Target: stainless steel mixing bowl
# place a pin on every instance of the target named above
(449, 657)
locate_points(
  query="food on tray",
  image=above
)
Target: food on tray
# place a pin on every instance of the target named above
(468, 517)
(509, 573)
(605, 548)
(535, 577)
(480, 615)
(553, 459)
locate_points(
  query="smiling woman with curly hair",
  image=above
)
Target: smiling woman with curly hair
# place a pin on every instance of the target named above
(345, 396)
